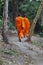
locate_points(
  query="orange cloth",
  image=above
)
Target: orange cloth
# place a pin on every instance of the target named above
(18, 23)
(22, 26)
(27, 26)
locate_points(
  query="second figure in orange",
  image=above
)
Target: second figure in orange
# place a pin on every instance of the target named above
(22, 26)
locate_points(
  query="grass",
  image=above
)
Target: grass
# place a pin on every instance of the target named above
(37, 43)
(10, 52)
(1, 62)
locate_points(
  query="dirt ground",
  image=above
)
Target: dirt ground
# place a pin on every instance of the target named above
(21, 53)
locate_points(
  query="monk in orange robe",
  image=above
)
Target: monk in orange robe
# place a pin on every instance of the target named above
(22, 26)
(18, 23)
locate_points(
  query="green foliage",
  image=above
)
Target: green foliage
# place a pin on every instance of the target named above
(1, 7)
(24, 7)
(37, 43)
(1, 62)
(10, 52)
(29, 9)
(1, 23)
(11, 26)
(41, 34)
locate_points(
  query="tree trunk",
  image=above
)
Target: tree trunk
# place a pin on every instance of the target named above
(5, 21)
(14, 9)
(42, 21)
(35, 20)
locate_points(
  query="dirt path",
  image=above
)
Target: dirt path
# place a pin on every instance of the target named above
(28, 54)
(34, 52)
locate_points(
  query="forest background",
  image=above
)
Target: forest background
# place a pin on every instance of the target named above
(27, 7)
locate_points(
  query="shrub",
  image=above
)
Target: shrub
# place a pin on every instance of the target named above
(1, 23)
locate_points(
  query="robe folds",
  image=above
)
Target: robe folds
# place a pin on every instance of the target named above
(22, 25)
